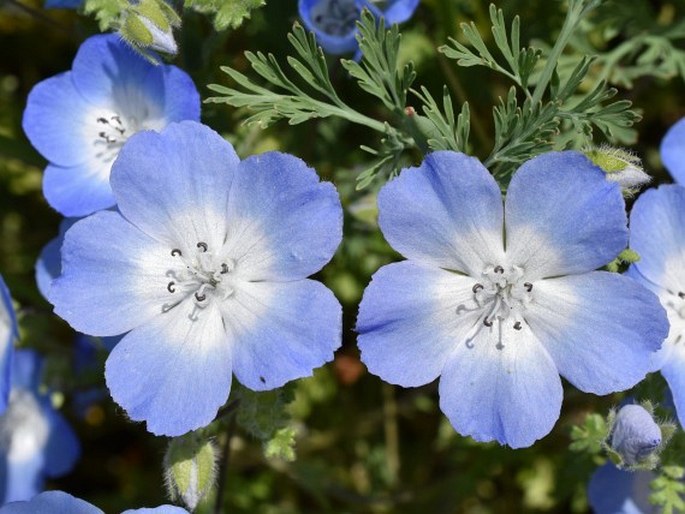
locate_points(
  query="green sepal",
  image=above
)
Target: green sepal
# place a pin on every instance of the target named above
(190, 468)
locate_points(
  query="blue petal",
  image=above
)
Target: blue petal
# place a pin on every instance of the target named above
(674, 373)
(27, 368)
(563, 216)
(63, 449)
(400, 11)
(507, 390)
(174, 185)
(673, 151)
(162, 509)
(51, 502)
(21, 480)
(172, 372)
(407, 321)
(447, 213)
(9, 333)
(283, 223)
(49, 263)
(62, 4)
(78, 190)
(332, 44)
(281, 331)
(113, 276)
(54, 120)
(600, 328)
(613, 491)
(657, 234)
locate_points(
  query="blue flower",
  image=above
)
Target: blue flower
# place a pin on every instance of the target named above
(635, 435)
(334, 22)
(498, 301)
(9, 333)
(35, 440)
(205, 267)
(49, 264)
(673, 151)
(58, 502)
(614, 491)
(657, 234)
(79, 120)
(63, 4)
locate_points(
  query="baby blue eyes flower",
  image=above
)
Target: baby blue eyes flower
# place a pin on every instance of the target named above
(58, 502)
(334, 22)
(657, 234)
(635, 434)
(499, 300)
(615, 491)
(35, 440)
(204, 268)
(9, 333)
(79, 120)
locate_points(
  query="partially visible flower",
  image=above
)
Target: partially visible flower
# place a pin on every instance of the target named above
(499, 301)
(657, 234)
(49, 264)
(9, 333)
(36, 442)
(620, 166)
(63, 4)
(615, 491)
(635, 436)
(204, 268)
(673, 151)
(58, 502)
(79, 120)
(334, 22)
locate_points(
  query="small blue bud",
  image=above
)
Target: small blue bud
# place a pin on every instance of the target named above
(636, 435)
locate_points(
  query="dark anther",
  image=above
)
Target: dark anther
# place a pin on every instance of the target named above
(499, 269)
(176, 252)
(170, 287)
(528, 286)
(681, 295)
(476, 288)
(103, 120)
(262, 380)
(202, 246)
(517, 325)
(487, 322)
(224, 268)
(200, 297)
(116, 118)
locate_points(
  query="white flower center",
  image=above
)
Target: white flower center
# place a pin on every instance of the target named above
(674, 302)
(335, 17)
(500, 296)
(203, 275)
(24, 430)
(112, 131)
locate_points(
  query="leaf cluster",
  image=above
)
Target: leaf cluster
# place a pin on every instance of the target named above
(668, 489)
(227, 13)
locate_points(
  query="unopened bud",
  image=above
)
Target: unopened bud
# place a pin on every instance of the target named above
(190, 469)
(635, 435)
(620, 166)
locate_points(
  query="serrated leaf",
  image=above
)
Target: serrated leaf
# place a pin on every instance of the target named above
(227, 13)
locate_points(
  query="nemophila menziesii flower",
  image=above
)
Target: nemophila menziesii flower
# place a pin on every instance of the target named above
(205, 267)
(615, 491)
(9, 333)
(334, 22)
(80, 119)
(499, 300)
(36, 442)
(58, 502)
(657, 234)
(635, 435)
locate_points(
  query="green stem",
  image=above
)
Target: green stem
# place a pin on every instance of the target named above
(223, 466)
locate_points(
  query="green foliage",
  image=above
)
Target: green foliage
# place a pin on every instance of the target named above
(227, 13)
(281, 445)
(589, 437)
(668, 489)
(107, 12)
(624, 259)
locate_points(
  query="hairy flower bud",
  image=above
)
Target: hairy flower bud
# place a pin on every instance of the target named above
(190, 469)
(635, 435)
(148, 25)
(620, 166)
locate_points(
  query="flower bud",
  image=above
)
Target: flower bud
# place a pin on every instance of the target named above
(148, 25)
(635, 435)
(190, 469)
(620, 166)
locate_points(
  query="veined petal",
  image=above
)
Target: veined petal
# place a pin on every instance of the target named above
(173, 372)
(600, 328)
(408, 321)
(506, 390)
(51, 502)
(174, 185)
(114, 277)
(673, 151)
(563, 216)
(78, 190)
(281, 331)
(53, 120)
(284, 224)
(657, 234)
(674, 373)
(447, 212)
